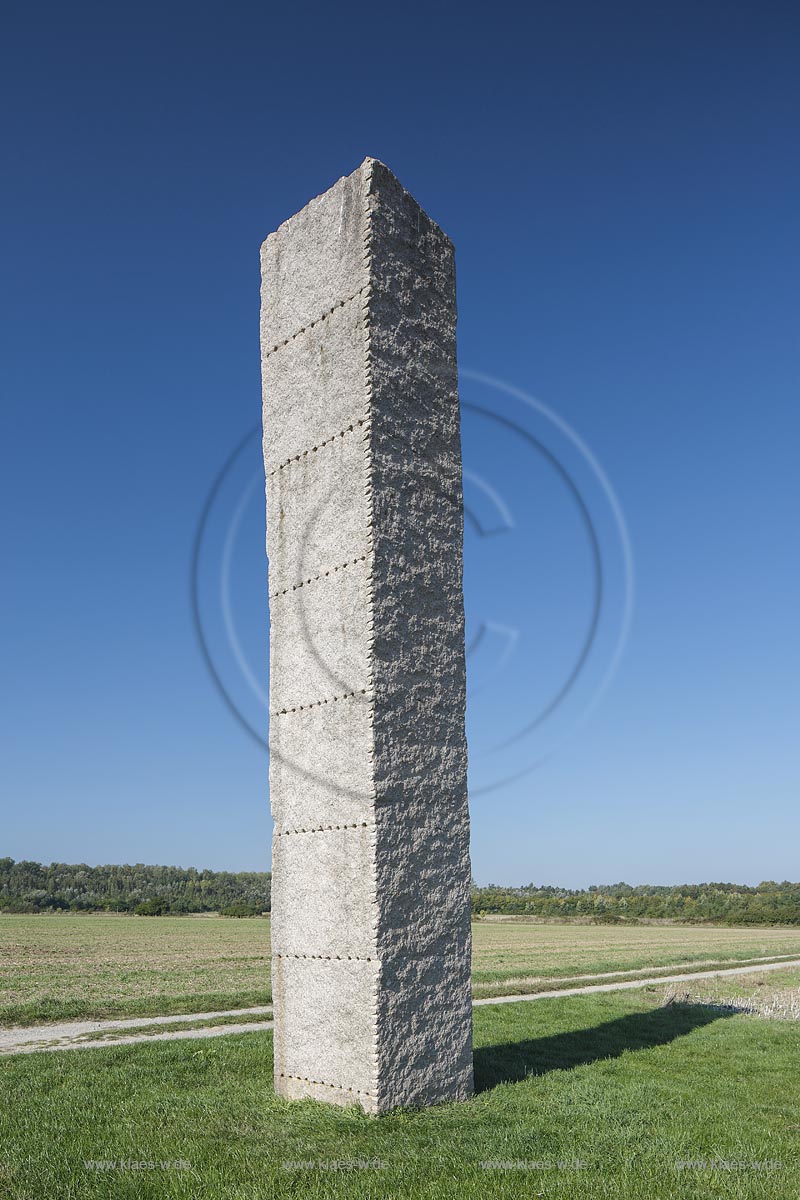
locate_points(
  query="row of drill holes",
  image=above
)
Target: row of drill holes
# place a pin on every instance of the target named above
(317, 320)
(313, 450)
(322, 1083)
(303, 582)
(281, 712)
(328, 957)
(321, 828)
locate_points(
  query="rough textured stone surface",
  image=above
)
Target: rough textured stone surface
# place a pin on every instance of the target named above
(323, 649)
(371, 874)
(334, 909)
(320, 770)
(317, 511)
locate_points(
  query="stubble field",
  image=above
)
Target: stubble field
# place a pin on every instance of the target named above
(58, 967)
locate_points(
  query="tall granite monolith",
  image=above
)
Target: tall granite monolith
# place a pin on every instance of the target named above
(368, 756)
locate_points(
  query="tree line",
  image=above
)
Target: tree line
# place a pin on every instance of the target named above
(769, 903)
(30, 887)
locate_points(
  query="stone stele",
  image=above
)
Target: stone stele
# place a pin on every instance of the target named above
(368, 755)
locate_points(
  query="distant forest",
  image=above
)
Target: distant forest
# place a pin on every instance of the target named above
(722, 903)
(30, 887)
(148, 891)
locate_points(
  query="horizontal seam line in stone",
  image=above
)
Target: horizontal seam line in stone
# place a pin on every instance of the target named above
(325, 828)
(304, 582)
(330, 957)
(324, 1083)
(339, 304)
(312, 449)
(282, 712)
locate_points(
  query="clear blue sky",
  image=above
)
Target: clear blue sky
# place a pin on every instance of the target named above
(622, 185)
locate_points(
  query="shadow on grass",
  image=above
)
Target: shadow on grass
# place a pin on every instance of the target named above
(514, 1061)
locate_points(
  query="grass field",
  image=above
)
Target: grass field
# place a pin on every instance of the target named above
(54, 967)
(57, 967)
(596, 1096)
(737, 986)
(590, 1097)
(518, 954)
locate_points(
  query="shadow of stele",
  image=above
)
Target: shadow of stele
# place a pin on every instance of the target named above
(511, 1062)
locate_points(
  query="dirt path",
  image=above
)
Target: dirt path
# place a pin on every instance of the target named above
(73, 1035)
(66, 1034)
(717, 963)
(637, 983)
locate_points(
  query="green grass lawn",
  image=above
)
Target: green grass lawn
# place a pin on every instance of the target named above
(593, 1096)
(54, 967)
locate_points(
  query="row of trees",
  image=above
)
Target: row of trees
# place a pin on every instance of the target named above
(148, 891)
(769, 903)
(153, 891)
